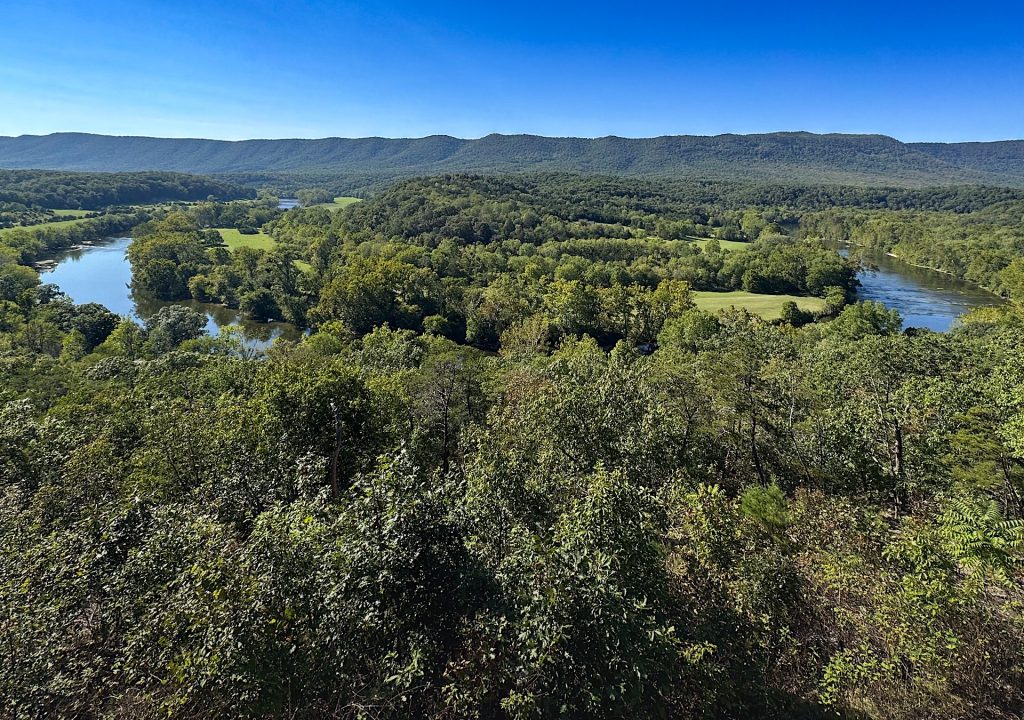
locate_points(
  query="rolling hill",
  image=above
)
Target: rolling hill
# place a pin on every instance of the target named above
(796, 157)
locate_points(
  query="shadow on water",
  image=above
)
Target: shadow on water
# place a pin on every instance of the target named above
(101, 274)
(925, 298)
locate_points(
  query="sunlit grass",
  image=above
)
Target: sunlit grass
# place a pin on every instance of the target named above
(234, 239)
(339, 202)
(724, 244)
(767, 306)
(43, 226)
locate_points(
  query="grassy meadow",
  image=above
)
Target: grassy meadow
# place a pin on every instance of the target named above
(724, 244)
(261, 241)
(767, 306)
(234, 239)
(49, 225)
(339, 202)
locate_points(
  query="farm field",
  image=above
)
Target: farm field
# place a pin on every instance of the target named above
(767, 306)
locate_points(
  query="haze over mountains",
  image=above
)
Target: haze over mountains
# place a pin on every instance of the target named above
(796, 157)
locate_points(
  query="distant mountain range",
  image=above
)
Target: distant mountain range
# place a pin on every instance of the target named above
(791, 157)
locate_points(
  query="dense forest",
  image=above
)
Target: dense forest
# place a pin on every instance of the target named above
(795, 157)
(95, 191)
(514, 470)
(469, 257)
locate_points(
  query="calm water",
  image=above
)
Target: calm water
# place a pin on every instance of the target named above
(101, 274)
(925, 298)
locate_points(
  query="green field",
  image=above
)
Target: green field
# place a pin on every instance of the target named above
(261, 241)
(234, 239)
(72, 213)
(724, 244)
(33, 228)
(767, 306)
(339, 202)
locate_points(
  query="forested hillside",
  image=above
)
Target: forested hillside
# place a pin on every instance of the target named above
(779, 157)
(94, 191)
(471, 257)
(1004, 157)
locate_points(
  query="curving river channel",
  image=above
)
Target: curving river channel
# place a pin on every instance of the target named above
(101, 273)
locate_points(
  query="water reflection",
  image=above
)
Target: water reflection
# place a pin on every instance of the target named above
(925, 298)
(102, 274)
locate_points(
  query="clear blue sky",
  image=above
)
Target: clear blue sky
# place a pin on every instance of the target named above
(233, 69)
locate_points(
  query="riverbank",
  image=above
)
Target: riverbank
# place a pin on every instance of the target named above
(947, 273)
(48, 264)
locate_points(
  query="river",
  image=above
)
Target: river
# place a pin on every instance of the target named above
(101, 273)
(925, 298)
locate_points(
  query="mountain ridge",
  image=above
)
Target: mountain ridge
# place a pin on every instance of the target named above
(794, 156)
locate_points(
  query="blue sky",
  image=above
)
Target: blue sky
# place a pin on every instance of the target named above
(234, 69)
